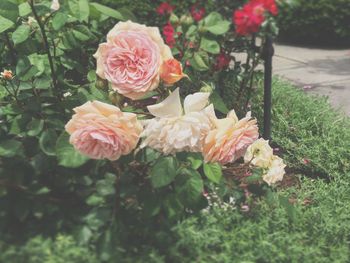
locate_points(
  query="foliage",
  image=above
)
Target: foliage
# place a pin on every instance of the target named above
(41, 250)
(46, 187)
(320, 22)
(313, 228)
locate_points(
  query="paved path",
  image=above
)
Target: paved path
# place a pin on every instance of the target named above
(318, 71)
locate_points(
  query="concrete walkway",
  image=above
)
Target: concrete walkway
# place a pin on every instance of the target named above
(317, 71)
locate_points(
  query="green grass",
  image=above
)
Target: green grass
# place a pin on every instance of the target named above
(274, 230)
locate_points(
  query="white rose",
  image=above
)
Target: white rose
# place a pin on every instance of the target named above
(275, 172)
(176, 129)
(259, 153)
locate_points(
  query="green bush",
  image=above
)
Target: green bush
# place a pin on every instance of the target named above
(40, 250)
(319, 22)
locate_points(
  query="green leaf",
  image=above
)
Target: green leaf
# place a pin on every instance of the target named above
(5, 24)
(200, 61)
(35, 127)
(213, 172)
(47, 142)
(211, 46)
(163, 172)
(43, 190)
(66, 154)
(24, 9)
(8, 10)
(59, 20)
(195, 159)
(189, 186)
(218, 103)
(108, 11)
(9, 148)
(95, 200)
(79, 9)
(215, 24)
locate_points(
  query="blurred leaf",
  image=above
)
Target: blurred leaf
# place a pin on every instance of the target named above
(218, 103)
(66, 154)
(5, 24)
(200, 61)
(9, 148)
(215, 24)
(59, 20)
(211, 46)
(122, 15)
(35, 127)
(213, 172)
(24, 9)
(163, 172)
(21, 34)
(8, 10)
(47, 142)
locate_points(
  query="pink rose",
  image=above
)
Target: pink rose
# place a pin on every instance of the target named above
(230, 140)
(131, 58)
(102, 131)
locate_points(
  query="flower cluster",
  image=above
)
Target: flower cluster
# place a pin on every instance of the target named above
(260, 154)
(134, 60)
(249, 19)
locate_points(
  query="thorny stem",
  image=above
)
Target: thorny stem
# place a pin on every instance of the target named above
(47, 48)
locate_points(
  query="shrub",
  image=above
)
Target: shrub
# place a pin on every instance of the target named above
(318, 22)
(47, 186)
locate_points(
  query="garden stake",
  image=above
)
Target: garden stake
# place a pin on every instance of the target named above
(267, 55)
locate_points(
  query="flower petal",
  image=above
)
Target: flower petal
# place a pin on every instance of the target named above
(170, 107)
(196, 102)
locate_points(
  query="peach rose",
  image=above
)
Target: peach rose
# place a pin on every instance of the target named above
(102, 131)
(177, 128)
(131, 58)
(171, 71)
(230, 139)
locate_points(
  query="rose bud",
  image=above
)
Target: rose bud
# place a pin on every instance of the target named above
(7, 74)
(171, 71)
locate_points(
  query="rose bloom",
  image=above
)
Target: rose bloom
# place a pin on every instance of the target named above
(171, 71)
(275, 172)
(101, 131)
(249, 19)
(55, 5)
(176, 129)
(169, 33)
(222, 61)
(259, 153)
(230, 139)
(164, 8)
(131, 59)
(7, 74)
(269, 5)
(197, 12)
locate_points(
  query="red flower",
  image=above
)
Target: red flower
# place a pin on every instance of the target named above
(168, 32)
(197, 12)
(249, 19)
(164, 8)
(269, 5)
(222, 61)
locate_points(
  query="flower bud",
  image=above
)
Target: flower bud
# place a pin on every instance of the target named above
(186, 20)
(101, 84)
(115, 98)
(171, 71)
(174, 19)
(6, 75)
(208, 87)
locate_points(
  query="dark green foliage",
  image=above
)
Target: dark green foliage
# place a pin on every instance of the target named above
(319, 22)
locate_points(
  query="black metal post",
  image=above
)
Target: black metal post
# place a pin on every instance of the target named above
(268, 54)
